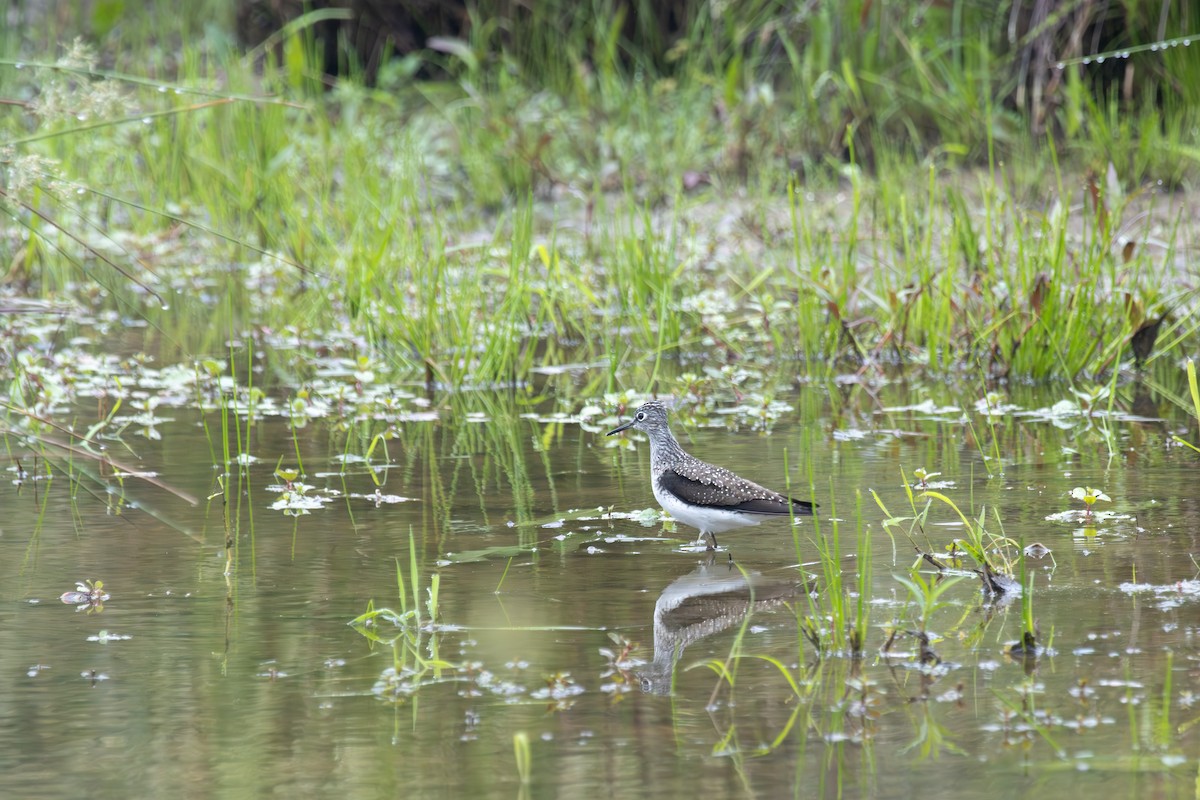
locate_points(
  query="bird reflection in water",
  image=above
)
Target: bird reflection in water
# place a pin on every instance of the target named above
(712, 598)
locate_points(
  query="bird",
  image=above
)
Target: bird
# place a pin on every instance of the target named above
(702, 495)
(1143, 339)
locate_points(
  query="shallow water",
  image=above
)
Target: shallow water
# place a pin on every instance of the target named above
(256, 684)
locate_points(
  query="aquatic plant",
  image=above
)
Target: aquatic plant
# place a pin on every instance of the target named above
(926, 597)
(1090, 497)
(410, 595)
(1194, 389)
(413, 639)
(619, 665)
(1027, 648)
(89, 596)
(923, 476)
(863, 583)
(979, 542)
(825, 623)
(836, 614)
(523, 756)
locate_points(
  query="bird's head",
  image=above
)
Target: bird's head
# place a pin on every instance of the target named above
(650, 417)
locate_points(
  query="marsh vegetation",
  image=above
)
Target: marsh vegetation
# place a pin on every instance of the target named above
(307, 377)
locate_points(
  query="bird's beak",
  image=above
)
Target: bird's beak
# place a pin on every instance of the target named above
(620, 428)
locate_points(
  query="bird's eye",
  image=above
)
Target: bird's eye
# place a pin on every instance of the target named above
(641, 415)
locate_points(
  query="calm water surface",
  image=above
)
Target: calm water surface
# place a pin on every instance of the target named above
(255, 685)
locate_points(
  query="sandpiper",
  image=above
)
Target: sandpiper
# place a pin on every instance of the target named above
(699, 494)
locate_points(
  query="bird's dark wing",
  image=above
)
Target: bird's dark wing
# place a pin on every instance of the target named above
(729, 492)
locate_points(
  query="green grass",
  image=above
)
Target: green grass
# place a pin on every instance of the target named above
(1194, 391)
(417, 215)
(835, 619)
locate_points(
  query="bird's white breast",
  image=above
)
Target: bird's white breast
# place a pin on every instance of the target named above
(707, 520)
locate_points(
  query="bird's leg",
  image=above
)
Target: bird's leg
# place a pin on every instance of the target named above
(713, 537)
